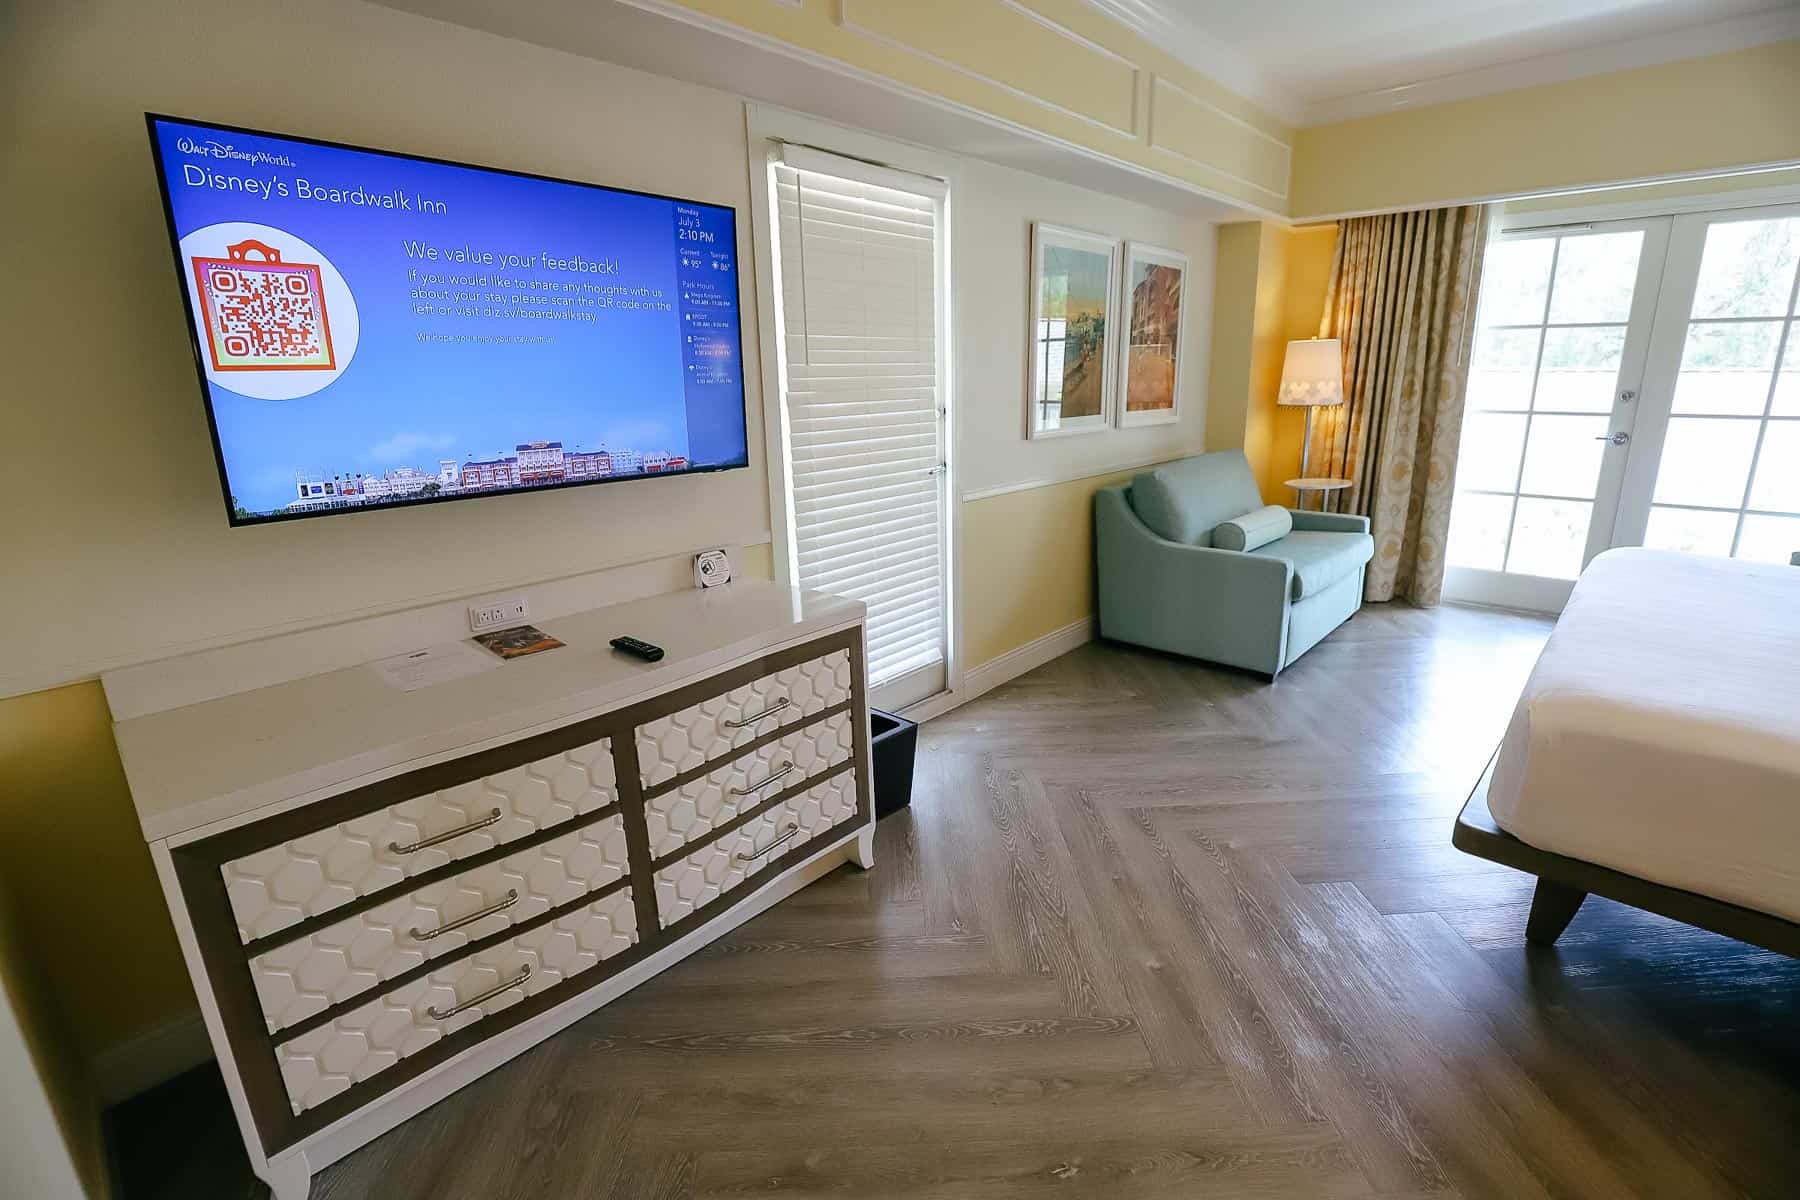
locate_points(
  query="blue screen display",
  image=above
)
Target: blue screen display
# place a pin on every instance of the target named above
(376, 329)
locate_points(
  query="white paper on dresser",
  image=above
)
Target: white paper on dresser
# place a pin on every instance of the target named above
(433, 665)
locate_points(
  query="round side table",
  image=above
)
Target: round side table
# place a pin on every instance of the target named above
(1315, 483)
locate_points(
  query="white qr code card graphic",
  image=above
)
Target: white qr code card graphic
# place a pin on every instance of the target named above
(263, 314)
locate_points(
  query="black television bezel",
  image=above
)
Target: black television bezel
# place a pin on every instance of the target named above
(212, 427)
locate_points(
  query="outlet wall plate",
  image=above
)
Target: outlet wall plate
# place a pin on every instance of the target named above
(711, 568)
(498, 613)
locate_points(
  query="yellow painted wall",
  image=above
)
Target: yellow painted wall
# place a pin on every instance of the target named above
(1028, 564)
(1236, 259)
(1698, 115)
(71, 850)
(1269, 289)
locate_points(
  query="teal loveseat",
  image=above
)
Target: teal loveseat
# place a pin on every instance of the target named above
(1166, 585)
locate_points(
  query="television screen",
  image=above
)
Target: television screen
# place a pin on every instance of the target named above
(376, 329)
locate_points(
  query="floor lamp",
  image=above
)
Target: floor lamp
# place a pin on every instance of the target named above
(1312, 376)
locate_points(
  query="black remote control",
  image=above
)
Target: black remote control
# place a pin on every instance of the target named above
(638, 648)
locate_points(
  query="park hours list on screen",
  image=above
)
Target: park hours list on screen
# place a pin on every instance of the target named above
(706, 273)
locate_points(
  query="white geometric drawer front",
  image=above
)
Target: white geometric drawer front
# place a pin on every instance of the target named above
(367, 1040)
(360, 953)
(702, 805)
(708, 873)
(283, 885)
(718, 725)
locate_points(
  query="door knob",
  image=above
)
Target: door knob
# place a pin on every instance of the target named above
(1617, 439)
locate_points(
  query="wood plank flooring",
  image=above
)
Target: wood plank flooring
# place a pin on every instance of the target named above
(1156, 929)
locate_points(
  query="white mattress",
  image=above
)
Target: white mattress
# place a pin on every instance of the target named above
(1659, 733)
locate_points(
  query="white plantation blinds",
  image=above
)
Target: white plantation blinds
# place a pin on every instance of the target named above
(859, 309)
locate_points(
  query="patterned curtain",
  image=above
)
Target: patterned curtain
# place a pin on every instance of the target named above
(1402, 301)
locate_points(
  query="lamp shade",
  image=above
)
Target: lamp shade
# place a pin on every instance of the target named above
(1312, 374)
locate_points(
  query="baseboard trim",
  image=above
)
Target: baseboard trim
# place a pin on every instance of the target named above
(152, 1057)
(1007, 667)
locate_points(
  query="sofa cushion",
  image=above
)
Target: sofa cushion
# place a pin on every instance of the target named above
(1319, 558)
(1182, 501)
(1256, 528)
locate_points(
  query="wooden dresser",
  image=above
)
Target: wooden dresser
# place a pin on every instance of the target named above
(383, 894)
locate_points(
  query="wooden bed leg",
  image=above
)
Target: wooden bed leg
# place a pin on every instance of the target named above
(1553, 906)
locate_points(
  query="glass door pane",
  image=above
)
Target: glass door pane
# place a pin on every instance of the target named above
(1727, 480)
(1554, 345)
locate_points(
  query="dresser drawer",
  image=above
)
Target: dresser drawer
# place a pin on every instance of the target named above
(701, 805)
(303, 978)
(285, 884)
(373, 1037)
(713, 871)
(713, 728)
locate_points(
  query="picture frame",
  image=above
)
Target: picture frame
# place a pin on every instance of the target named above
(1152, 348)
(1070, 340)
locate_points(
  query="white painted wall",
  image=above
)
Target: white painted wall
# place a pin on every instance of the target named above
(33, 1159)
(36, 1158)
(115, 543)
(115, 546)
(994, 209)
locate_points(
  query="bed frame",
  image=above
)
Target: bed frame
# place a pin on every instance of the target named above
(1563, 883)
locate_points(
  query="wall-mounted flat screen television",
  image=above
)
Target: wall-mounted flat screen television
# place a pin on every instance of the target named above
(375, 329)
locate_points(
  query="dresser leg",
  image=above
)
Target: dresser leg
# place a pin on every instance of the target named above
(289, 1177)
(865, 847)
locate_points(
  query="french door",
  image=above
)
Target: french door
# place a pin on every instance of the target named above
(1633, 383)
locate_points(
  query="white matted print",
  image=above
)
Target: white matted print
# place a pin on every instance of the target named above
(1074, 310)
(1150, 364)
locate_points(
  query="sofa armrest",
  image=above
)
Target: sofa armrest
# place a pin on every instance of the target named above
(1223, 605)
(1329, 522)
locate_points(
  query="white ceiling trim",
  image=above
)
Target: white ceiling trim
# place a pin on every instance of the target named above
(1695, 41)
(1212, 60)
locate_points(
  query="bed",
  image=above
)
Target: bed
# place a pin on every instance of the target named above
(1654, 756)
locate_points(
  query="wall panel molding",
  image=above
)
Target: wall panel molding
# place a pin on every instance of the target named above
(1194, 129)
(1059, 71)
(1006, 45)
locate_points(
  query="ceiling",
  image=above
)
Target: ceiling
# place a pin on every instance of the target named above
(1315, 61)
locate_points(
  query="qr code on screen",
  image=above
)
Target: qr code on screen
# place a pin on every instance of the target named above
(264, 316)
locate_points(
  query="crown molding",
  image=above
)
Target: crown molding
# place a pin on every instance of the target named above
(1693, 41)
(1148, 20)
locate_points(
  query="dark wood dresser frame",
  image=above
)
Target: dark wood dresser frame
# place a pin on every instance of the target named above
(227, 958)
(1564, 882)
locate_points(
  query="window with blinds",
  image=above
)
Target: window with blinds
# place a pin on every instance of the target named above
(863, 404)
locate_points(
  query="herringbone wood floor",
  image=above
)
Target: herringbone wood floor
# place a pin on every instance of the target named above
(1155, 929)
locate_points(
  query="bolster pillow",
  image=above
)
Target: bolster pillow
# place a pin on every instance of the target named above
(1257, 528)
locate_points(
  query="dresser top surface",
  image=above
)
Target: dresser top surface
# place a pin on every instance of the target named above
(295, 741)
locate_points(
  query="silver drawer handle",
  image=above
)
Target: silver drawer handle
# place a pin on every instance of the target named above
(427, 843)
(748, 721)
(791, 831)
(425, 935)
(757, 787)
(509, 985)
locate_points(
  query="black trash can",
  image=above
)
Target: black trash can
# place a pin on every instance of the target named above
(895, 741)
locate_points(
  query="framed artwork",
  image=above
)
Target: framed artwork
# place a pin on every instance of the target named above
(1150, 366)
(1074, 306)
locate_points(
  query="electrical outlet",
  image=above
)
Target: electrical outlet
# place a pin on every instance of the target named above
(498, 614)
